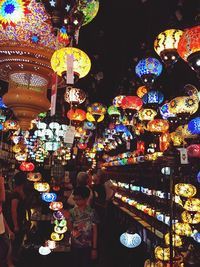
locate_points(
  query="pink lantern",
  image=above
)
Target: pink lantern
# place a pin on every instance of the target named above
(194, 151)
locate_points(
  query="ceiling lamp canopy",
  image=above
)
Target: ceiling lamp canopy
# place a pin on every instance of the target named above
(81, 61)
(166, 44)
(189, 47)
(75, 96)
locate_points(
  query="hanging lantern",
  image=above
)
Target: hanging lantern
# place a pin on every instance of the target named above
(165, 113)
(141, 91)
(184, 104)
(147, 114)
(75, 96)
(130, 240)
(21, 156)
(81, 62)
(189, 47)
(11, 125)
(41, 187)
(76, 115)
(153, 98)
(194, 151)
(96, 109)
(183, 229)
(148, 69)
(176, 240)
(58, 215)
(88, 125)
(60, 223)
(44, 251)
(190, 218)
(34, 176)
(117, 101)
(56, 206)
(56, 236)
(113, 111)
(82, 146)
(49, 197)
(162, 253)
(131, 102)
(158, 126)
(27, 166)
(60, 230)
(164, 141)
(140, 147)
(194, 126)
(166, 44)
(185, 190)
(192, 204)
(51, 244)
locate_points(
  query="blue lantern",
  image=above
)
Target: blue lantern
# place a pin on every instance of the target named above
(164, 112)
(196, 237)
(2, 105)
(49, 197)
(130, 240)
(153, 97)
(148, 69)
(194, 126)
(89, 125)
(198, 177)
(120, 128)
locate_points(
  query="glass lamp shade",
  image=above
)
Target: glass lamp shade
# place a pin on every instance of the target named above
(58, 215)
(96, 109)
(131, 102)
(76, 114)
(81, 61)
(166, 170)
(191, 218)
(164, 111)
(74, 95)
(56, 236)
(189, 47)
(60, 223)
(176, 240)
(184, 104)
(196, 237)
(94, 118)
(141, 91)
(88, 125)
(54, 125)
(130, 240)
(198, 177)
(153, 97)
(27, 166)
(82, 146)
(148, 69)
(89, 9)
(162, 253)
(194, 151)
(112, 110)
(56, 205)
(60, 230)
(11, 125)
(51, 244)
(117, 101)
(183, 229)
(194, 126)
(192, 204)
(166, 44)
(44, 251)
(21, 156)
(34, 176)
(41, 187)
(185, 190)
(147, 114)
(49, 197)
(158, 126)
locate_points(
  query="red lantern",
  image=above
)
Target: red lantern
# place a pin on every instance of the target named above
(158, 126)
(76, 115)
(27, 166)
(194, 151)
(140, 147)
(164, 141)
(132, 102)
(82, 146)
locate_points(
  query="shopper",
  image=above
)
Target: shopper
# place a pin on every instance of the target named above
(82, 223)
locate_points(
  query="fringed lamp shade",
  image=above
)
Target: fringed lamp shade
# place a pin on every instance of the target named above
(117, 101)
(141, 91)
(194, 151)
(194, 126)
(81, 61)
(185, 190)
(148, 69)
(162, 253)
(189, 47)
(158, 126)
(191, 218)
(166, 44)
(74, 95)
(183, 229)
(146, 114)
(76, 115)
(192, 204)
(131, 102)
(176, 240)
(153, 97)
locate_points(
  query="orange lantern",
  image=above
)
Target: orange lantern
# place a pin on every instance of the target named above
(76, 115)
(164, 141)
(141, 91)
(27, 166)
(132, 102)
(158, 126)
(56, 205)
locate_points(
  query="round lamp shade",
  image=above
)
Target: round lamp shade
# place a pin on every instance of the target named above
(56, 236)
(191, 218)
(112, 110)
(192, 204)
(56, 206)
(34, 176)
(131, 102)
(41, 187)
(158, 126)
(81, 62)
(51, 244)
(183, 229)
(194, 126)
(76, 115)
(153, 97)
(117, 101)
(58, 215)
(176, 240)
(27, 166)
(185, 190)
(96, 109)
(164, 111)
(60, 230)
(194, 151)
(184, 104)
(162, 253)
(141, 91)
(130, 240)
(49, 197)
(94, 118)
(44, 251)
(60, 223)
(146, 114)
(74, 95)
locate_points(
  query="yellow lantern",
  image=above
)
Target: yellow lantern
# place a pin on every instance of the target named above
(162, 253)
(147, 114)
(185, 190)
(176, 240)
(190, 218)
(192, 204)
(41, 187)
(21, 156)
(184, 104)
(183, 229)
(91, 117)
(60, 230)
(158, 126)
(81, 61)
(141, 91)
(34, 176)
(56, 236)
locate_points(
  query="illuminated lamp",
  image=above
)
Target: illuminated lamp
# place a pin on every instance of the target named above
(27, 166)
(54, 125)
(2, 105)
(120, 128)
(51, 244)
(131, 161)
(113, 111)
(196, 237)
(194, 126)
(42, 115)
(130, 239)
(194, 151)
(198, 177)
(146, 114)
(191, 218)
(97, 110)
(76, 115)
(189, 47)
(58, 215)
(185, 190)
(163, 253)
(56, 205)
(164, 111)
(11, 125)
(158, 126)
(88, 125)
(148, 69)
(18, 148)
(166, 44)
(56, 188)
(49, 197)
(75, 96)
(141, 91)
(92, 118)
(41, 187)
(44, 251)
(131, 102)
(176, 240)
(60, 230)
(192, 204)
(183, 229)
(60, 223)
(56, 236)
(21, 156)
(34, 176)
(117, 101)
(164, 141)
(153, 98)
(82, 146)
(89, 10)
(166, 170)
(81, 62)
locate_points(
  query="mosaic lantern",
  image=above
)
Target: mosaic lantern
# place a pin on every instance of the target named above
(34, 176)
(192, 204)
(76, 115)
(113, 111)
(44, 251)
(131, 102)
(166, 44)
(60, 230)
(58, 215)
(162, 253)
(185, 190)
(194, 126)
(153, 98)
(56, 205)
(130, 240)
(117, 101)
(75, 96)
(176, 240)
(194, 151)
(27, 166)
(56, 236)
(96, 109)
(183, 229)
(81, 62)
(41, 187)
(148, 69)
(141, 91)
(49, 197)
(11, 125)
(189, 47)
(158, 126)
(191, 218)
(165, 113)
(184, 104)
(146, 114)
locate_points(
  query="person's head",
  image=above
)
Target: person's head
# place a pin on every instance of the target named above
(96, 178)
(81, 195)
(82, 179)
(19, 179)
